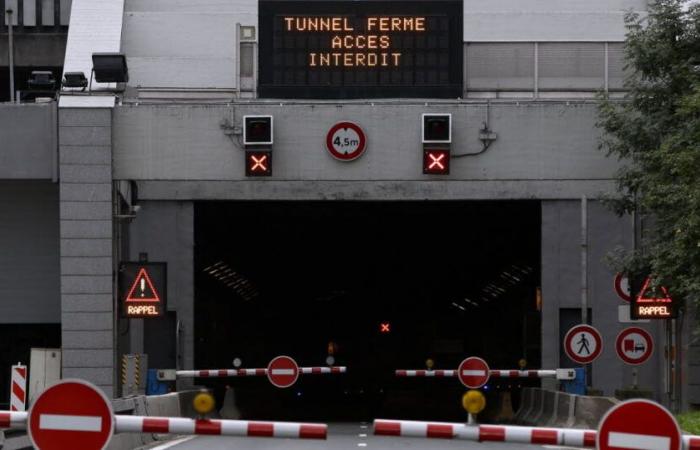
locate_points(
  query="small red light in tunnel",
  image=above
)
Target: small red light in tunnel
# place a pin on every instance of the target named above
(385, 327)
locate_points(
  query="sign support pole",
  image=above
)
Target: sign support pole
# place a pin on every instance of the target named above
(584, 260)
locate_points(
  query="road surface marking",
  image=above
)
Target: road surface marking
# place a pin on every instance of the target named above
(282, 371)
(473, 373)
(362, 444)
(173, 443)
(639, 441)
(70, 423)
(362, 435)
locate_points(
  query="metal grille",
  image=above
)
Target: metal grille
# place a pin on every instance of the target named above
(500, 66)
(36, 16)
(571, 66)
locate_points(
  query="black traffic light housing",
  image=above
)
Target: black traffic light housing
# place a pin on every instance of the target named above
(436, 135)
(436, 128)
(257, 130)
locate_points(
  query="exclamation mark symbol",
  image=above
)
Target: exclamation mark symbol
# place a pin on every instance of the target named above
(143, 287)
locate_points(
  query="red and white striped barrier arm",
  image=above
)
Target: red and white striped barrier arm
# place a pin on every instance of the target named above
(484, 433)
(221, 373)
(166, 425)
(524, 373)
(18, 392)
(322, 370)
(426, 373)
(561, 374)
(13, 420)
(691, 442)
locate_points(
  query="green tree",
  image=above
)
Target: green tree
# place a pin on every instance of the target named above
(655, 131)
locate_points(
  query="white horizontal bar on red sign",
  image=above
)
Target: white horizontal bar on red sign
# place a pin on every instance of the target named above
(486, 433)
(221, 373)
(13, 420)
(183, 426)
(524, 373)
(322, 370)
(426, 373)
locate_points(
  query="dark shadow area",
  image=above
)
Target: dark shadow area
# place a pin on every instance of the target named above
(451, 279)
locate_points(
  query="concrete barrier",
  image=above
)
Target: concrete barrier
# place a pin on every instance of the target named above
(526, 404)
(547, 407)
(229, 410)
(588, 411)
(536, 410)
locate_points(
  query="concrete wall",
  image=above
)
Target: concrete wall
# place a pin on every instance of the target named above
(87, 313)
(544, 150)
(34, 49)
(29, 270)
(185, 44)
(28, 136)
(547, 20)
(561, 288)
(165, 230)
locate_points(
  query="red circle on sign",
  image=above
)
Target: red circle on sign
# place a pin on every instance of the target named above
(638, 424)
(632, 341)
(624, 295)
(578, 355)
(282, 372)
(356, 146)
(71, 414)
(473, 372)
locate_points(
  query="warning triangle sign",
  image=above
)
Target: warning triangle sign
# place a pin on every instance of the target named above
(142, 290)
(650, 295)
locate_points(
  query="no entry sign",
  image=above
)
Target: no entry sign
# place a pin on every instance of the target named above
(622, 287)
(283, 372)
(634, 345)
(71, 414)
(583, 344)
(473, 372)
(346, 141)
(638, 425)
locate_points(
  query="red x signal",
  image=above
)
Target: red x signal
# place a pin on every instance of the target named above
(436, 161)
(258, 163)
(385, 327)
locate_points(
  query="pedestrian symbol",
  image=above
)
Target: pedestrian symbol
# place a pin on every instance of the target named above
(583, 344)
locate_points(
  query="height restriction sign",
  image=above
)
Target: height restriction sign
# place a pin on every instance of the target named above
(142, 289)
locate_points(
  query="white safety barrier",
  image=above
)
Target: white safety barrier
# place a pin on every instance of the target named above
(224, 373)
(18, 391)
(184, 426)
(499, 433)
(560, 374)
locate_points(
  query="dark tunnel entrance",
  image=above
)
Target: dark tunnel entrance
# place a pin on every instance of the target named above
(449, 280)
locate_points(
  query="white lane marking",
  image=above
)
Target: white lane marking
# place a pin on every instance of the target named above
(638, 441)
(282, 371)
(362, 444)
(63, 422)
(362, 435)
(473, 373)
(173, 443)
(364, 427)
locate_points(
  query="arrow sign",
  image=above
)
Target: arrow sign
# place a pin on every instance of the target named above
(71, 414)
(283, 372)
(473, 372)
(638, 425)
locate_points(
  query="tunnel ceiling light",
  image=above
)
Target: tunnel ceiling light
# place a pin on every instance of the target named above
(110, 67)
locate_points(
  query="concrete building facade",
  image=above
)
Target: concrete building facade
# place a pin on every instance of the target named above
(171, 139)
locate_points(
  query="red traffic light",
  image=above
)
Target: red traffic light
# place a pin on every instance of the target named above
(258, 163)
(436, 161)
(437, 128)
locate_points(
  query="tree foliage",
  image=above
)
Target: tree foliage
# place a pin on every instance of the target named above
(655, 131)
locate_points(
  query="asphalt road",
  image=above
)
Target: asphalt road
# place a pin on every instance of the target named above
(340, 437)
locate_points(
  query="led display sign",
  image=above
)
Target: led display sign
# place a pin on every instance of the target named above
(651, 302)
(142, 289)
(360, 49)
